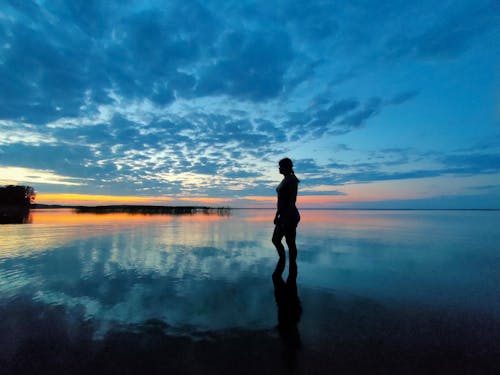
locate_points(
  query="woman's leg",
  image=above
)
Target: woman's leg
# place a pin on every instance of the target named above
(290, 234)
(277, 237)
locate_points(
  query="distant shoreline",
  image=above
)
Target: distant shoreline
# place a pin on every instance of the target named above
(138, 209)
(117, 208)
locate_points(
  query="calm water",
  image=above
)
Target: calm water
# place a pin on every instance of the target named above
(422, 286)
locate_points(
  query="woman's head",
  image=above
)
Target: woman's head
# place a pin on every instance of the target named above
(286, 166)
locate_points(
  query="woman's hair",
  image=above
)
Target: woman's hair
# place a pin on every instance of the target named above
(286, 164)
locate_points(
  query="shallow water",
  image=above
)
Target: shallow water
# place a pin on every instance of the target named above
(370, 285)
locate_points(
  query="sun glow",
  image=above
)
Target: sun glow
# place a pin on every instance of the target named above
(89, 199)
(206, 200)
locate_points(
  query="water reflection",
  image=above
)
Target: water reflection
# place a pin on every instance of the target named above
(410, 284)
(55, 228)
(196, 272)
(289, 309)
(15, 216)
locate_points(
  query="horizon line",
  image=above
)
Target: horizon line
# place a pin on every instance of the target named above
(55, 206)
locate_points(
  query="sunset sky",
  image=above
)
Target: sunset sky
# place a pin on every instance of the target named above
(381, 104)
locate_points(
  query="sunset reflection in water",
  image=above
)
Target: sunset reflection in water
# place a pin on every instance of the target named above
(52, 228)
(380, 274)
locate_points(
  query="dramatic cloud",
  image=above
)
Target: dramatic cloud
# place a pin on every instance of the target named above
(191, 98)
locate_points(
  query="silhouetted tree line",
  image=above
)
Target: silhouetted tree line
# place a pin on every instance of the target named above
(151, 210)
(16, 196)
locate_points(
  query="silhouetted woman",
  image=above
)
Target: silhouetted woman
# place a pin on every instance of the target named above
(287, 216)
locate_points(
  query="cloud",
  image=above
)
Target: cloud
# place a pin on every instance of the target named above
(321, 190)
(358, 118)
(15, 175)
(475, 163)
(403, 97)
(335, 118)
(449, 36)
(306, 165)
(22, 133)
(325, 117)
(242, 174)
(62, 55)
(65, 159)
(394, 164)
(147, 97)
(249, 65)
(314, 20)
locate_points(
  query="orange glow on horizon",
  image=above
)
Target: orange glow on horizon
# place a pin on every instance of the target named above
(304, 200)
(352, 193)
(260, 198)
(89, 199)
(207, 200)
(268, 201)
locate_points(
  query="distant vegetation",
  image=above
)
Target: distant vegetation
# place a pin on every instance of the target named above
(15, 202)
(16, 196)
(155, 210)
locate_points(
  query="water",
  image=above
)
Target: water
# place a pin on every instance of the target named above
(380, 290)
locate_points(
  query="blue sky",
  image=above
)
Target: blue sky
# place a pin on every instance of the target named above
(379, 104)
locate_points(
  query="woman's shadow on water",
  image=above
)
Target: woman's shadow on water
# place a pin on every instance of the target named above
(289, 309)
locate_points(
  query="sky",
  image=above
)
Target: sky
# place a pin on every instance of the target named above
(380, 104)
